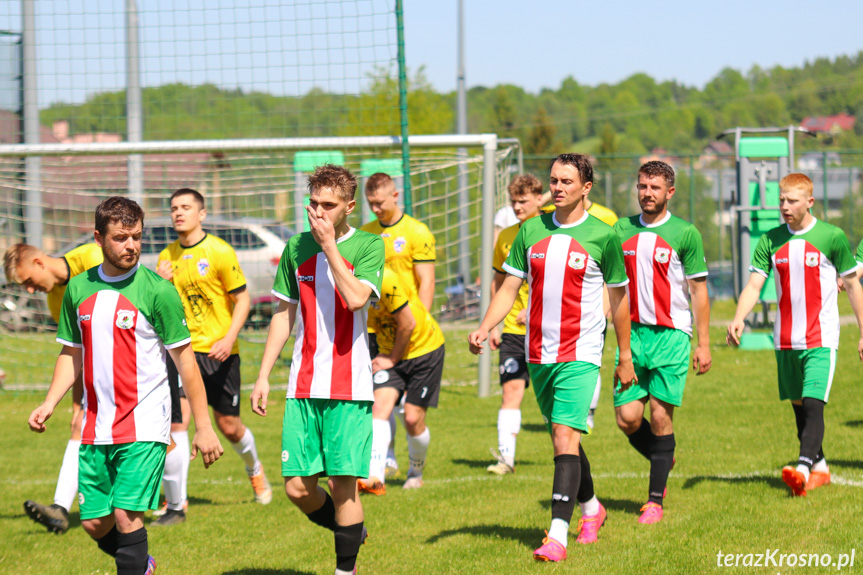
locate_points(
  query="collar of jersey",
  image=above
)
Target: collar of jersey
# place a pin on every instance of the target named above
(560, 225)
(197, 243)
(804, 230)
(115, 279)
(655, 224)
(346, 236)
(394, 223)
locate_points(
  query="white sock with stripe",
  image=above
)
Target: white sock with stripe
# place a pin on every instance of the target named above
(381, 436)
(821, 466)
(67, 481)
(508, 426)
(172, 479)
(417, 448)
(248, 451)
(559, 531)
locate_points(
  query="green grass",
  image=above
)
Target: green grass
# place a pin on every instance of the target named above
(725, 493)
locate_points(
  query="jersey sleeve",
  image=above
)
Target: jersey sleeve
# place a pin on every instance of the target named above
(841, 256)
(694, 262)
(369, 267)
(859, 255)
(516, 261)
(499, 256)
(393, 296)
(169, 318)
(68, 332)
(424, 250)
(611, 263)
(761, 257)
(230, 272)
(285, 285)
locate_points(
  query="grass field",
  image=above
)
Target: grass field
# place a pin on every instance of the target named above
(725, 494)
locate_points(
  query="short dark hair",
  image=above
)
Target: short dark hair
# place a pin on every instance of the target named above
(337, 178)
(190, 192)
(578, 161)
(656, 168)
(118, 209)
(376, 181)
(525, 184)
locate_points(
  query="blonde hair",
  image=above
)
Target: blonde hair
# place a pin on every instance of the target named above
(797, 180)
(15, 257)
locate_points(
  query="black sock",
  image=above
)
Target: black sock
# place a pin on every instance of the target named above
(567, 477)
(132, 552)
(661, 457)
(585, 486)
(108, 542)
(640, 439)
(800, 419)
(325, 516)
(813, 432)
(349, 538)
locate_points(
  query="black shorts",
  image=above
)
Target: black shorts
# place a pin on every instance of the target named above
(373, 345)
(221, 380)
(417, 378)
(513, 363)
(176, 390)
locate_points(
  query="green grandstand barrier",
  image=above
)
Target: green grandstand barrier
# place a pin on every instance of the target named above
(775, 147)
(394, 168)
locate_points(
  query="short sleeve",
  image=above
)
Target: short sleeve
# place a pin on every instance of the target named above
(169, 318)
(859, 255)
(841, 256)
(285, 285)
(499, 254)
(369, 265)
(516, 261)
(68, 332)
(230, 272)
(761, 257)
(424, 245)
(692, 248)
(611, 263)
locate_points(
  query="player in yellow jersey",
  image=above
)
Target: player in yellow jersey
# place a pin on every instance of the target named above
(28, 266)
(525, 196)
(205, 271)
(410, 253)
(409, 363)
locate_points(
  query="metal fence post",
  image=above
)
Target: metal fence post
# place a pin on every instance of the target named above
(692, 189)
(32, 164)
(134, 123)
(489, 191)
(824, 180)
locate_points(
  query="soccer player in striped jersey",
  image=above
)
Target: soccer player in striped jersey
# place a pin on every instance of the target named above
(410, 249)
(805, 255)
(325, 280)
(116, 323)
(566, 257)
(205, 271)
(28, 266)
(525, 196)
(665, 264)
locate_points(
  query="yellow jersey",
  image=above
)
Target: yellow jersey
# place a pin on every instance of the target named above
(205, 275)
(77, 261)
(406, 242)
(501, 251)
(603, 213)
(426, 336)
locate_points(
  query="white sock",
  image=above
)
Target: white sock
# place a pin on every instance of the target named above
(380, 441)
(595, 401)
(590, 507)
(67, 481)
(172, 479)
(804, 470)
(508, 426)
(247, 450)
(821, 466)
(391, 448)
(559, 530)
(417, 448)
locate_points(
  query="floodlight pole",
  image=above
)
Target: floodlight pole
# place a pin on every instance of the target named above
(463, 189)
(30, 101)
(134, 129)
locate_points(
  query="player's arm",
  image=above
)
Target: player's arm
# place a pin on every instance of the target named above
(701, 360)
(624, 373)
(221, 350)
(745, 303)
(855, 296)
(205, 437)
(280, 330)
(494, 336)
(405, 324)
(500, 306)
(424, 272)
(65, 371)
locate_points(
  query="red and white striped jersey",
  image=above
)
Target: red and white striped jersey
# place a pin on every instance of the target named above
(660, 258)
(124, 324)
(805, 265)
(566, 267)
(331, 351)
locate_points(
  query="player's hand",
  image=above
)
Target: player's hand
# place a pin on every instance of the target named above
(840, 284)
(735, 329)
(475, 340)
(221, 350)
(259, 396)
(521, 318)
(701, 360)
(38, 418)
(206, 441)
(382, 362)
(166, 270)
(321, 226)
(494, 339)
(624, 374)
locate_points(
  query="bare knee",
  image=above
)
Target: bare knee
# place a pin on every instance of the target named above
(231, 427)
(303, 494)
(98, 527)
(342, 489)
(415, 420)
(627, 425)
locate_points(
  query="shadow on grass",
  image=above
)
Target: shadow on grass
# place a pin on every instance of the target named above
(774, 482)
(854, 423)
(526, 537)
(257, 571)
(483, 463)
(534, 427)
(853, 464)
(625, 505)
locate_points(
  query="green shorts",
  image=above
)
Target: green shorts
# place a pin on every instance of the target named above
(660, 356)
(805, 372)
(125, 476)
(327, 436)
(564, 391)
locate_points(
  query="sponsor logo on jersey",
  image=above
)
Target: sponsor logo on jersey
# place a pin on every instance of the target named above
(85, 317)
(537, 256)
(662, 255)
(781, 261)
(203, 266)
(381, 376)
(811, 259)
(188, 256)
(576, 260)
(629, 252)
(306, 278)
(385, 235)
(399, 244)
(125, 318)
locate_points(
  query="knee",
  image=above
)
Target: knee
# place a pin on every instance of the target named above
(415, 422)
(626, 424)
(232, 428)
(342, 489)
(297, 493)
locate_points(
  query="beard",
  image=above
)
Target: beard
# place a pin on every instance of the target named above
(118, 261)
(656, 208)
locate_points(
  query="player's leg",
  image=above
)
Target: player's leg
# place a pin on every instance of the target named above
(594, 403)
(423, 377)
(177, 460)
(662, 447)
(789, 368)
(392, 465)
(388, 389)
(513, 381)
(629, 403)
